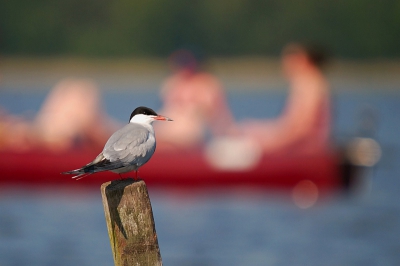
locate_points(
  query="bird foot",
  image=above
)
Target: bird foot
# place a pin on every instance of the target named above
(137, 178)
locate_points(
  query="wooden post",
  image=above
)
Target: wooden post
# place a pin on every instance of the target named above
(130, 223)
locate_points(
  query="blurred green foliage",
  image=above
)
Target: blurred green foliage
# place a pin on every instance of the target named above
(98, 28)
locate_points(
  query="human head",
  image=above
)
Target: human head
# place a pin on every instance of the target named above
(183, 60)
(297, 57)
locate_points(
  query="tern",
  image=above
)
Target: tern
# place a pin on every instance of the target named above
(127, 149)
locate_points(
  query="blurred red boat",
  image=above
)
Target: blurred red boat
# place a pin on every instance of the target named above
(188, 169)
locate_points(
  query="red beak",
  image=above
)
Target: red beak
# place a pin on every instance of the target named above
(162, 118)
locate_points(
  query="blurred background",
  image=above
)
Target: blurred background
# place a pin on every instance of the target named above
(71, 72)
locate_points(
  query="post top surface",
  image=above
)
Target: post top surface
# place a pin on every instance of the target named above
(120, 184)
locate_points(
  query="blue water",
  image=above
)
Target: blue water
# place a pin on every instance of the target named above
(66, 227)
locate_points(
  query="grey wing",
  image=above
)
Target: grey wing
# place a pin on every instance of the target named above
(131, 145)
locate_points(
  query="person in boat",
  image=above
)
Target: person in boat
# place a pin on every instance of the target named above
(71, 116)
(196, 100)
(14, 132)
(304, 125)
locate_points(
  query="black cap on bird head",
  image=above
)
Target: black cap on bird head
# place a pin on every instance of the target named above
(143, 110)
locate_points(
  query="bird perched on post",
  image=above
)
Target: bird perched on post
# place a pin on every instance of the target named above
(128, 148)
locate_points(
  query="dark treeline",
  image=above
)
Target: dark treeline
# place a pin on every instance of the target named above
(352, 29)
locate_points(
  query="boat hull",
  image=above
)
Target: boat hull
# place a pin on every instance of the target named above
(176, 169)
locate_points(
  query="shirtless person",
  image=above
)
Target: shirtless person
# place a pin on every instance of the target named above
(195, 100)
(304, 125)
